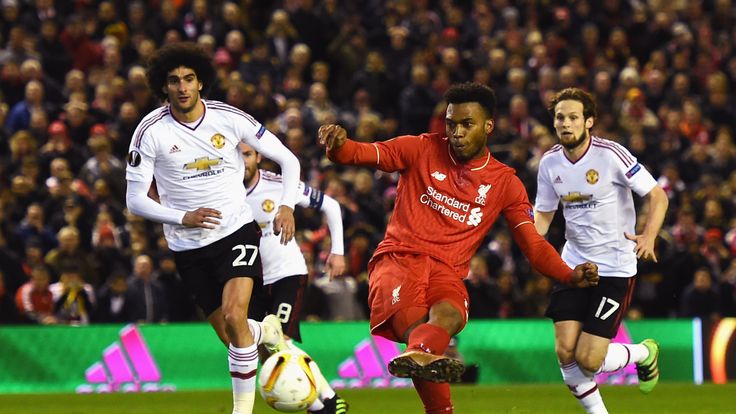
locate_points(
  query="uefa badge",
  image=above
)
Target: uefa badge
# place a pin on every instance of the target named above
(591, 176)
(218, 141)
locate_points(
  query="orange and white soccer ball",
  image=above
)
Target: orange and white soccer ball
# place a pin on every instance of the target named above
(286, 382)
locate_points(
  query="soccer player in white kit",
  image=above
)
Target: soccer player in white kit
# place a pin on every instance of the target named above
(593, 178)
(190, 147)
(284, 267)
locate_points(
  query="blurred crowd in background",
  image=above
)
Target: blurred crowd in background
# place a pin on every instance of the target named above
(73, 89)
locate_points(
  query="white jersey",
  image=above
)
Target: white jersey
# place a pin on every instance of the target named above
(199, 165)
(280, 261)
(595, 193)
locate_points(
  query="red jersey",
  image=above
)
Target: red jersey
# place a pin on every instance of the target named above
(28, 300)
(444, 207)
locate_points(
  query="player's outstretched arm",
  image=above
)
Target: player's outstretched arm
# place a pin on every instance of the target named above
(545, 259)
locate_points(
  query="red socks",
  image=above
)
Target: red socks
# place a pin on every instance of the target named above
(435, 396)
(429, 338)
(434, 340)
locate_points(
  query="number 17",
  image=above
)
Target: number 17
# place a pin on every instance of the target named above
(614, 305)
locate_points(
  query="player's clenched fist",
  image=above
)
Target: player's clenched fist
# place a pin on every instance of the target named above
(585, 275)
(332, 136)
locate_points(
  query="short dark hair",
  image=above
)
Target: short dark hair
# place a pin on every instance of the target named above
(472, 92)
(171, 56)
(575, 94)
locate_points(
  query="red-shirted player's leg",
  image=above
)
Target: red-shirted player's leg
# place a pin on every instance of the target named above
(404, 321)
(425, 339)
(434, 336)
(427, 342)
(424, 358)
(435, 396)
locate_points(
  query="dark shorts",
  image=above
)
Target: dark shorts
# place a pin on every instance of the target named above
(284, 299)
(206, 270)
(599, 308)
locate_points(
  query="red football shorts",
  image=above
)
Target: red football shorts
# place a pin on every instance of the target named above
(402, 280)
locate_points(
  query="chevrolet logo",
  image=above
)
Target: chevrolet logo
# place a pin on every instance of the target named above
(576, 197)
(203, 163)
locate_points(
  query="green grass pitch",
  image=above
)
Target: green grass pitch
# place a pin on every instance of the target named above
(670, 398)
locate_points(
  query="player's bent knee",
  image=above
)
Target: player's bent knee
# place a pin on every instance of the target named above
(405, 320)
(588, 362)
(234, 317)
(446, 315)
(565, 354)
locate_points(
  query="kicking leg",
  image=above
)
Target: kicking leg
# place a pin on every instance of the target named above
(424, 361)
(435, 396)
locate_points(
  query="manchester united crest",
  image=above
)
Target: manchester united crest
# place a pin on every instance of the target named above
(268, 205)
(218, 141)
(591, 176)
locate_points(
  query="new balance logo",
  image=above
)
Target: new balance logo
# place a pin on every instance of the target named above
(475, 217)
(367, 368)
(174, 149)
(439, 176)
(558, 180)
(130, 368)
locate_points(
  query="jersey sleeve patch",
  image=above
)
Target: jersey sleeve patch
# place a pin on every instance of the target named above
(134, 158)
(315, 198)
(261, 131)
(635, 169)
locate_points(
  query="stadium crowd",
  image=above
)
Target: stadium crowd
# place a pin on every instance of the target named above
(73, 88)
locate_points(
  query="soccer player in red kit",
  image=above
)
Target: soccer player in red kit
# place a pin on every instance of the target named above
(450, 192)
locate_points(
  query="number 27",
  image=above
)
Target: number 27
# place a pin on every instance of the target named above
(244, 252)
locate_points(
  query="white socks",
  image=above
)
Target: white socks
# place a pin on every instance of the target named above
(243, 363)
(582, 383)
(256, 329)
(583, 386)
(620, 355)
